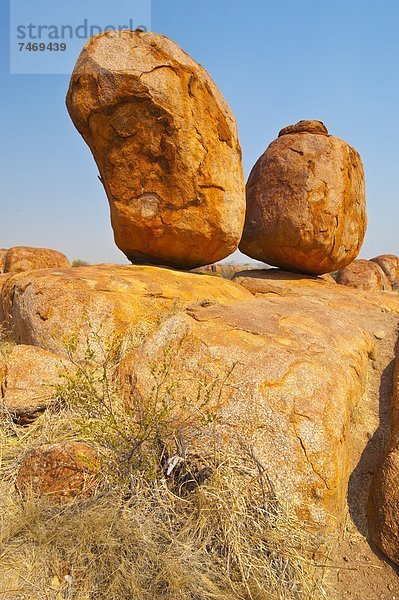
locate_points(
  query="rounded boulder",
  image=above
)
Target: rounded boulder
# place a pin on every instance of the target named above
(364, 275)
(166, 144)
(389, 263)
(58, 472)
(306, 203)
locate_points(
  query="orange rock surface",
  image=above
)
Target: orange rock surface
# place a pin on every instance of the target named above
(45, 308)
(306, 207)
(27, 381)
(24, 258)
(166, 145)
(383, 505)
(3, 253)
(58, 472)
(364, 275)
(389, 263)
(298, 356)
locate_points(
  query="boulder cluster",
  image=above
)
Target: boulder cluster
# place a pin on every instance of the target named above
(166, 145)
(378, 274)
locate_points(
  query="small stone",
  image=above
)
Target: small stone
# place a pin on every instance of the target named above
(380, 335)
(58, 472)
(304, 126)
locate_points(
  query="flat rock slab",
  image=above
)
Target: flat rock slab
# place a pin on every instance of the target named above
(45, 308)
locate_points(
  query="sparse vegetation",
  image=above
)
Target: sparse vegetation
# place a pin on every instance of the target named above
(79, 263)
(6, 344)
(178, 515)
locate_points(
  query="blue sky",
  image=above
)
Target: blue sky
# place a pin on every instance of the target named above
(275, 62)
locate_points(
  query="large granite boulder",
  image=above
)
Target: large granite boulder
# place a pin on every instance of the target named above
(47, 308)
(280, 373)
(383, 505)
(166, 145)
(306, 207)
(3, 253)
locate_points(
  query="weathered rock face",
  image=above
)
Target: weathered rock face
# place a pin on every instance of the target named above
(44, 308)
(261, 281)
(24, 258)
(383, 506)
(58, 472)
(327, 277)
(306, 207)
(364, 275)
(166, 145)
(27, 381)
(3, 278)
(389, 263)
(297, 369)
(275, 282)
(3, 253)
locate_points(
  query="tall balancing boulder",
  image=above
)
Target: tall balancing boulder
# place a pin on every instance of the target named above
(306, 204)
(166, 145)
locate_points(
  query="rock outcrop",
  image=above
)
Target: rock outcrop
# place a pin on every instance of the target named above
(298, 356)
(44, 308)
(25, 258)
(306, 207)
(263, 281)
(58, 472)
(4, 277)
(383, 506)
(364, 275)
(27, 381)
(283, 360)
(3, 253)
(389, 263)
(166, 145)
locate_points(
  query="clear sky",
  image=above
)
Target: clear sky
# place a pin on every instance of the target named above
(276, 62)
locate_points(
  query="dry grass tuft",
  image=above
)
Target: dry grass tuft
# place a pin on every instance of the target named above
(207, 526)
(6, 344)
